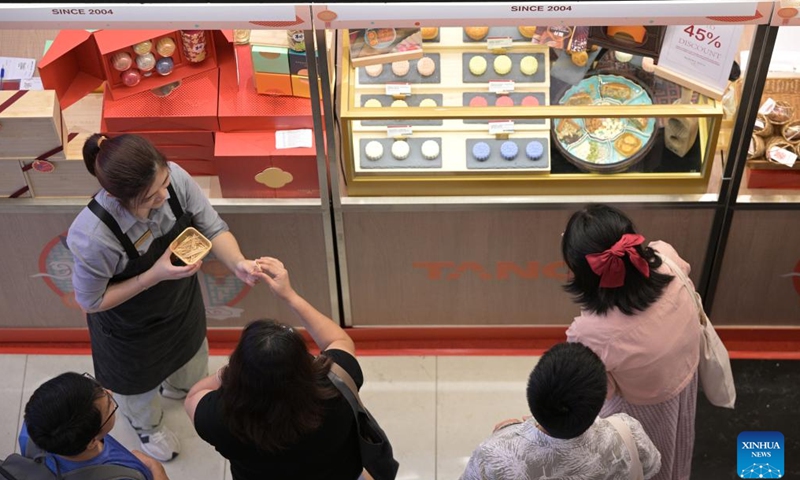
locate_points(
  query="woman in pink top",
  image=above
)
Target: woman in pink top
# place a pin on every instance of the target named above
(642, 323)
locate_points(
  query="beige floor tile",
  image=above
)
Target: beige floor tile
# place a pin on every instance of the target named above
(400, 392)
(473, 394)
(12, 401)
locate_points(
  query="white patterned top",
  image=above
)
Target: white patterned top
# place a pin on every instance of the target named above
(523, 452)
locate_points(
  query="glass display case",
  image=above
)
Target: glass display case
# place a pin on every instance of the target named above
(486, 111)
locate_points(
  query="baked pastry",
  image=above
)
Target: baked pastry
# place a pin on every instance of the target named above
(529, 65)
(400, 68)
(534, 150)
(763, 127)
(568, 131)
(648, 64)
(579, 58)
(429, 33)
(527, 32)
(400, 149)
(580, 98)
(476, 33)
(478, 101)
(430, 149)
(640, 123)
(504, 101)
(623, 57)
(616, 90)
(373, 103)
(502, 65)
(530, 101)
(399, 103)
(781, 114)
(481, 151)
(426, 66)
(627, 144)
(374, 150)
(771, 152)
(374, 70)
(509, 150)
(477, 65)
(428, 102)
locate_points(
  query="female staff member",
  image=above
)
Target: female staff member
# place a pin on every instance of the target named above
(145, 315)
(642, 323)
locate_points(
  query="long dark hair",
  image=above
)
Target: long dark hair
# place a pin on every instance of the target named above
(273, 390)
(62, 416)
(594, 229)
(126, 166)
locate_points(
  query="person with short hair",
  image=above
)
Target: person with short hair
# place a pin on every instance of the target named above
(642, 322)
(272, 411)
(146, 316)
(70, 416)
(565, 438)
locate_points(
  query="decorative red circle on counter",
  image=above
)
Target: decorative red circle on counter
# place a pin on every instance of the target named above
(43, 166)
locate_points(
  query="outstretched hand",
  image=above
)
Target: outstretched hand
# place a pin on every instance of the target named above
(276, 277)
(249, 272)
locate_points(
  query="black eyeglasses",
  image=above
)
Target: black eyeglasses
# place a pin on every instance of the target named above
(110, 397)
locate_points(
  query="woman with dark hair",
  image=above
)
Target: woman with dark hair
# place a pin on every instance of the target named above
(642, 323)
(272, 410)
(146, 316)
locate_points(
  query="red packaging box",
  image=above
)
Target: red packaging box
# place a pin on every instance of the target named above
(191, 106)
(241, 108)
(196, 167)
(241, 157)
(188, 152)
(181, 138)
(78, 61)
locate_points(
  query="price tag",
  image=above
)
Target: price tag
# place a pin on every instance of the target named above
(498, 43)
(399, 131)
(504, 126)
(767, 107)
(782, 156)
(759, 124)
(398, 89)
(501, 86)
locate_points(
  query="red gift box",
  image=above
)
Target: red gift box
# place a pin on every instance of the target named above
(191, 106)
(241, 108)
(196, 167)
(78, 61)
(243, 156)
(171, 138)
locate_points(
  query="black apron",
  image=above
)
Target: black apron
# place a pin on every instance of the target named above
(139, 343)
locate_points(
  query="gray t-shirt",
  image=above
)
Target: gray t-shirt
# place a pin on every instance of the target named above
(98, 255)
(523, 452)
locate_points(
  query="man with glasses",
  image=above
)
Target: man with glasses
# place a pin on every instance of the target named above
(70, 417)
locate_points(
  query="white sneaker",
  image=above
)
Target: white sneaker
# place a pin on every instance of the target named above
(163, 445)
(168, 391)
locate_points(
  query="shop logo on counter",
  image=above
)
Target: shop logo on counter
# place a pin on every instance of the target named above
(498, 271)
(221, 289)
(760, 455)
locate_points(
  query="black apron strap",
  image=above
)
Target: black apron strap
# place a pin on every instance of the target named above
(112, 225)
(174, 203)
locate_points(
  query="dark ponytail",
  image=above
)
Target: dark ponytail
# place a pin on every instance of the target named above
(126, 166)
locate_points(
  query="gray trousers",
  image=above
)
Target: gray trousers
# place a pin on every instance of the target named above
(144, 411)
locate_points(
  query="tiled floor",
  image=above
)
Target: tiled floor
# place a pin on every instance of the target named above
(436, 410)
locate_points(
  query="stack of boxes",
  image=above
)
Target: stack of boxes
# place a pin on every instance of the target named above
(279, 69)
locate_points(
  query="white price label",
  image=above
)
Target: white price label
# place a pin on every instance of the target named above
(398, 89)
(767, 107)
(501, 86)
(497, 43)
(759, 124)
(399, 131)
(505, 126)
(782, 156)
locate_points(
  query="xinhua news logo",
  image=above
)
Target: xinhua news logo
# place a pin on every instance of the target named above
(760, 455)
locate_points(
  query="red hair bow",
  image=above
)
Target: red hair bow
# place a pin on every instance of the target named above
(609, 264)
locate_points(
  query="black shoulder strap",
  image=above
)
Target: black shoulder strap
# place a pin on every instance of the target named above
(174, 203)
(112, 225)
(345, 384)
